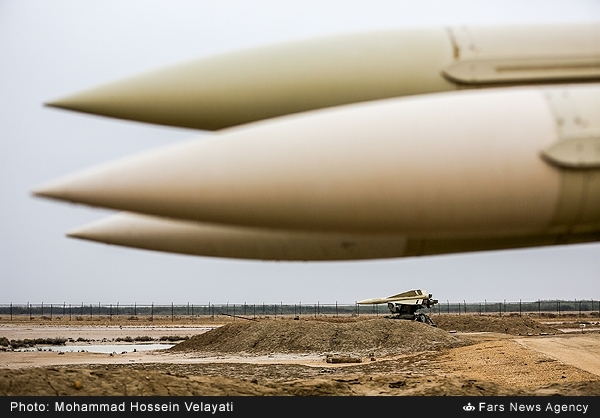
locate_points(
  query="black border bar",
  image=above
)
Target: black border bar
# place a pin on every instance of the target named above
(305, 405)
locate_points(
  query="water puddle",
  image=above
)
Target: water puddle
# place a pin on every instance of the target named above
(99, 348)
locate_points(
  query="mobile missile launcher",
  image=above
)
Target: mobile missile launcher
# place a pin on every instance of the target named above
(406, 305)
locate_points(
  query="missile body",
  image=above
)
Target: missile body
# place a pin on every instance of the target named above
(240, 87)
(485, 169)
(188, 237)
(215, 240)
(410, 297)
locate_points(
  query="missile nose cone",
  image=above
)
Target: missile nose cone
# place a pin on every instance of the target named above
(62, 103)
(371, 301)
(81, 233)
(77, 102)
(72, 188)
(53, 190)
(161, 97)
(132, 99)
(91, 186)
(117, 229)
(143, 182)
(94, 231)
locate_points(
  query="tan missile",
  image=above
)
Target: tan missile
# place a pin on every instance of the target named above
(249, 85)
(188, 237)
(413, 297)
(214, 240)
(447, 171)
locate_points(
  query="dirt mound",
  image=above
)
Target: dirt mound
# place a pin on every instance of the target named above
(513, 325)
(380, 337)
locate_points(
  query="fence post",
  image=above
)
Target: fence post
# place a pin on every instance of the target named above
(152, 312)
(11, 311)
(172, 313)
(520, 307)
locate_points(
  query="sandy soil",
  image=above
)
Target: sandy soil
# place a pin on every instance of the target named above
(464, 355)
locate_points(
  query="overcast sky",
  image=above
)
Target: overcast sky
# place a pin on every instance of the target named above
(49, 49)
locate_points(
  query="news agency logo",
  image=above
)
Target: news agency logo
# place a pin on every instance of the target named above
(468, 407)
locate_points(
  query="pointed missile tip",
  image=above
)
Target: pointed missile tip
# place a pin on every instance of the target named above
(86, 232)
(39, 192)
(51, 190)
(97, 230)
(61, 103)
(365, 301)
(51, 104)
(78, 233)
(43, 191)
(72, 234)
(83, 101)
(82, 234)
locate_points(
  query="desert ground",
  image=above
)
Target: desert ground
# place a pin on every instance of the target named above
(486, 355)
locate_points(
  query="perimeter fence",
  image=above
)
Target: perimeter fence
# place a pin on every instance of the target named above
(78, 312)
